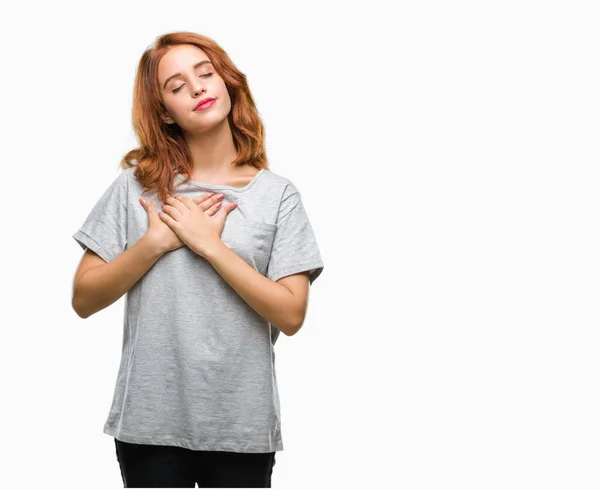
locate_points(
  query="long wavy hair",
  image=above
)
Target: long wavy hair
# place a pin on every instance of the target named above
(163, 152)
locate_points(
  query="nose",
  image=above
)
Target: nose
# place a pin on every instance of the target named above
(198, 88)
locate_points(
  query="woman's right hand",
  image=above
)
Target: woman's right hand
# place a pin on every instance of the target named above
(162, 234)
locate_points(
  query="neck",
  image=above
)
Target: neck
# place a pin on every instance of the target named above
(212, 151)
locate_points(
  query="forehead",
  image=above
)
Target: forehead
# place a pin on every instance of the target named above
(179, 59)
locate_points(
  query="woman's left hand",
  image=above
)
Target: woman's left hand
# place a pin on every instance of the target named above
(195, 228)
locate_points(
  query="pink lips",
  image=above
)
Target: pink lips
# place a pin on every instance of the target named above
(206, 105)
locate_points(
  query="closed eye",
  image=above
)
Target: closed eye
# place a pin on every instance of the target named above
(210, 74)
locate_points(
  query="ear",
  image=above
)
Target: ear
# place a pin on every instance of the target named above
(165, 117)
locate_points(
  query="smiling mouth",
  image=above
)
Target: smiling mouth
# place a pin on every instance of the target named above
(206, 104)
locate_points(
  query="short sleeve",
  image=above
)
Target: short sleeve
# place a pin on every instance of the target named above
(104, 231)
(295, 246)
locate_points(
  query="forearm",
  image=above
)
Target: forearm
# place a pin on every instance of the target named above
(101, 286)
(272, 301)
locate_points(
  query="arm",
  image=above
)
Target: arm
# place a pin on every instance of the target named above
(282, 306)
(99, 284)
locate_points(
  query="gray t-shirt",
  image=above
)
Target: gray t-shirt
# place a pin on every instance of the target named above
(198, 363)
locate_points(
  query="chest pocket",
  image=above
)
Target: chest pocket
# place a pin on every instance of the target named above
(251, 240)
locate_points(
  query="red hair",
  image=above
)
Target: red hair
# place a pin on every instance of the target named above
(163, 152)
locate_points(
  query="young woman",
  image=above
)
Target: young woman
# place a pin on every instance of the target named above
(215, 253)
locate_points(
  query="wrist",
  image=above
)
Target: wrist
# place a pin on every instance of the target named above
(156, 249)
(210, 252)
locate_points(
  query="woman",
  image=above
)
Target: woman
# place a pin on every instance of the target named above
(211, 279)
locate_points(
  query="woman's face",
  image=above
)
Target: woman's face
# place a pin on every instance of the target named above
(184, 82)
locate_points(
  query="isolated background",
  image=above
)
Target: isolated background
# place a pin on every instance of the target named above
(447, 154)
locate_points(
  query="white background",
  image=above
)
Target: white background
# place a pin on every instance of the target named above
(447, 155)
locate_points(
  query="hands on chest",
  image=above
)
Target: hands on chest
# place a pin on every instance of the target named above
(186, 221)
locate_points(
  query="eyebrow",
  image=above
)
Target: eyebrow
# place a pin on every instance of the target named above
(200, 63)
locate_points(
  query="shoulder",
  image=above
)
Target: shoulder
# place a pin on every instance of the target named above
(123, 178)
(128, 179)
(279, 185)
(127, 175)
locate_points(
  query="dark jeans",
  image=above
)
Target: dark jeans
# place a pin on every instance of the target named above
(152, 466)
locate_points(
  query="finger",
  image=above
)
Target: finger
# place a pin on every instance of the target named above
(210, 202)
(187, 202)
(203, 197)
(148, 206)
(176, 203)
(214, 208)
(168, 220)
(172, 211)
(226, 210)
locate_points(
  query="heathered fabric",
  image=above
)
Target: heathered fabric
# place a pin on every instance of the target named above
(198, 363)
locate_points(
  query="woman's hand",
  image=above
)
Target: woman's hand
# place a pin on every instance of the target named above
(196, 229)
(164, 237)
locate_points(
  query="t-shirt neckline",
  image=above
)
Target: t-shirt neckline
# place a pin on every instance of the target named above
(195, 183)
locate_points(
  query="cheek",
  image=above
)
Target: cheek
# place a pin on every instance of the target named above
(224, 103)
(174, 109)
(220, 90)
(178, 113)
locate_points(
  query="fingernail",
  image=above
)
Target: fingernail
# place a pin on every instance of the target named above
(143, 201)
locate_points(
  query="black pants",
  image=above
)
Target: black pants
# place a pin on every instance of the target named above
(151, 466)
